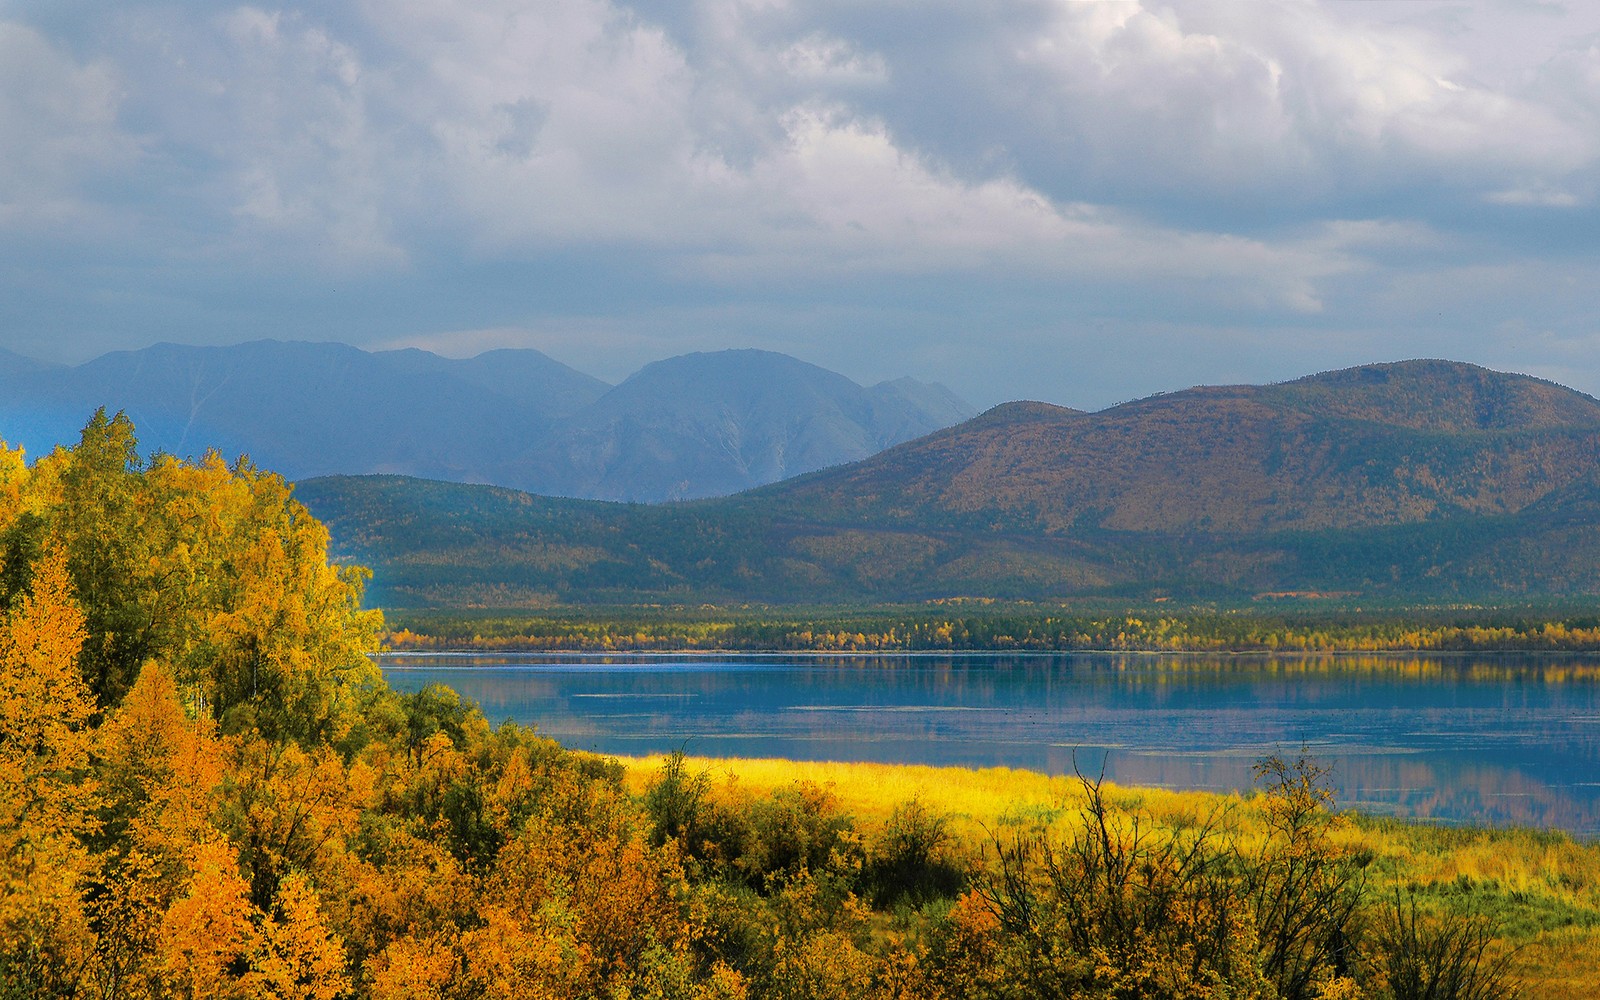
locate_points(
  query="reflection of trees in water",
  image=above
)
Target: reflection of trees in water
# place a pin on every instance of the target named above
(943, 669)
(1450, 790)
(1494, 739)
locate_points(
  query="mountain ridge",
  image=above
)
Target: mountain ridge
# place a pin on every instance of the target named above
(1245, 453)
(512, 417)
(1421, 479)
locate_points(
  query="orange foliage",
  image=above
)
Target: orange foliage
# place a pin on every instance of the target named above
(207, 933)
(47, 794)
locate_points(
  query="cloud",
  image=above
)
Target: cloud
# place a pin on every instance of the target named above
(58, 120)
(1538, 197)
(507, 125)
(416, 167)
(818, 58)
(1273, 109)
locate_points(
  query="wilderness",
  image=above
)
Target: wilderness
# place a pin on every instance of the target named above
(601, 499)
(210, 791)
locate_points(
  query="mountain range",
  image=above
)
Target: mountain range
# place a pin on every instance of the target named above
(691, 426)
(1422, 479)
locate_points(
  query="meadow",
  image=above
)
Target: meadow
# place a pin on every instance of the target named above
(1539, 891)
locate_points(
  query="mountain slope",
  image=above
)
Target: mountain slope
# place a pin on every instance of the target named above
(693, 426)
(716, 423)
(305, 409)
(1380, 444)
(1421, 479)
(12, 363)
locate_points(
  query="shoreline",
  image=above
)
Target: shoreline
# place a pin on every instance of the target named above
(490, 650)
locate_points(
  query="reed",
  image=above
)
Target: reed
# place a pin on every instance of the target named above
(1540, 889)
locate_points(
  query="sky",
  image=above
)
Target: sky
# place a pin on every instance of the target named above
(1076, 202)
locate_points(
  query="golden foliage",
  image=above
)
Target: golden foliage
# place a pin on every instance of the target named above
(47, 793)
(296, 958)
(207, 934)
(248, 812)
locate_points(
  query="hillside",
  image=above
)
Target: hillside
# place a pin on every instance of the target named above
(1371, 446)
(1421, 479)
(306, 409)
(716, 423)
(700, 425)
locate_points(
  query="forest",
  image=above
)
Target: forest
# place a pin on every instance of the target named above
(992, 626)
(207, 791)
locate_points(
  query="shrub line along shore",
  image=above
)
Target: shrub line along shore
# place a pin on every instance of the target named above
(920, 630)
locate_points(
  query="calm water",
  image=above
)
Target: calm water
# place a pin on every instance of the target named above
(1496, 740)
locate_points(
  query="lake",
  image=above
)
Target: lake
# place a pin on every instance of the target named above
(1486, 739)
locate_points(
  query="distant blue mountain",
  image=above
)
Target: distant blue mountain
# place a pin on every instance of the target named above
(712, 424)
(699, 425)
(12, 363)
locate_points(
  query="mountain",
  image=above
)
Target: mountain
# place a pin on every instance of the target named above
(12, 363)
(717, 423)
(699, 425)
(1376, 445)
(306, 409)
(1424, 479)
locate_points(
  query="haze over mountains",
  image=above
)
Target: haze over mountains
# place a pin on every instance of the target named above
(692, 426)
(1399, 481)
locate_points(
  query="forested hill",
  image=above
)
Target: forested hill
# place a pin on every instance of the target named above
(1423, 479)
(697, 425)
(1377, 445)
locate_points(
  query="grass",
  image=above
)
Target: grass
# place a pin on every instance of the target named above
(1542, 888)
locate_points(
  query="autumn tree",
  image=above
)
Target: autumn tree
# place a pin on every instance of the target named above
(47, 793)
(160, 767)
(211, 568)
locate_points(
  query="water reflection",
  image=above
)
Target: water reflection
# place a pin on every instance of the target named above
(1500, 740)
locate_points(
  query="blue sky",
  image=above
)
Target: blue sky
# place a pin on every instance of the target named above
(1077, 202)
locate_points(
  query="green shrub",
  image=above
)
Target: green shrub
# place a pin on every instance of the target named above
(913, 859)
(1443, 957)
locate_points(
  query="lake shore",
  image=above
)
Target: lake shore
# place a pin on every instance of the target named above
(991, 627)
(1505, 739)
(1541, 888)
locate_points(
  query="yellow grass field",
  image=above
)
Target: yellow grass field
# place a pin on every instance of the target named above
(1543, 888)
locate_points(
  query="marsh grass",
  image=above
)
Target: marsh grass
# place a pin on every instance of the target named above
(1538, 890)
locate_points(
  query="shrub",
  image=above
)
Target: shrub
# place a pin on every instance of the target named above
(1444, 957)
(912, 859)
(1121, 910)
(674, 801)
(1305, 890)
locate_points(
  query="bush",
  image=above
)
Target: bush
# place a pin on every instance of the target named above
(1305, 891)
(1121, 910)
(912, 859)
(799, 829)
(674, 801)
(1440, 958)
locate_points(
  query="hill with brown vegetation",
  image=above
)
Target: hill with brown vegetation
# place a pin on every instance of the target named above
(1409, 480)
(1377, 445)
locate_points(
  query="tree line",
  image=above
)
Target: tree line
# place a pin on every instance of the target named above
(935, 628)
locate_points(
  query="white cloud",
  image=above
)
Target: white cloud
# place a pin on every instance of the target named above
(59, 131)
(1540, 196)
(820, 58)
(1281, 163)
(509, 127)
(305, 160)
(1288, 100)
